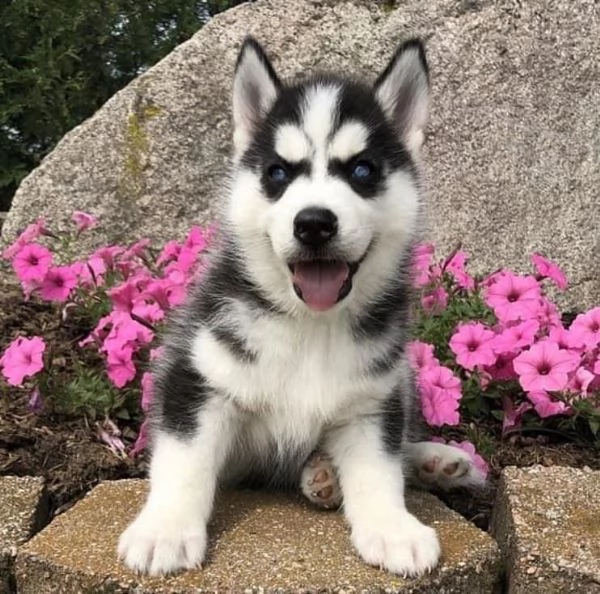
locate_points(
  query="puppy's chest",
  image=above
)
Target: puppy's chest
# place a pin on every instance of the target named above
(299, 371)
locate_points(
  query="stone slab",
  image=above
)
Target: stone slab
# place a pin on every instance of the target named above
(547, 522)
(513, 147)
(23, 511)
(260, 542)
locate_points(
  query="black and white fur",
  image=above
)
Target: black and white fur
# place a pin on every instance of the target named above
(255, 382)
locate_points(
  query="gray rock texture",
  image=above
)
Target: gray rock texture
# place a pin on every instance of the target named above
(23, 511)
(513, 148)
(547, 522)
(259, 542)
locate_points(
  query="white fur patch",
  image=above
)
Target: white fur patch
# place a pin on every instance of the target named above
(348, 141)
(291, 144)
(384, 533)
(170, 531)
(318, 118)
(291, 389)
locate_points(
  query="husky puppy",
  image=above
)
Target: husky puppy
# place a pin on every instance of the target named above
(287, 365)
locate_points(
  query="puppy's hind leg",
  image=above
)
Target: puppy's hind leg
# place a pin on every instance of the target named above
(319, 482)
(437, 465)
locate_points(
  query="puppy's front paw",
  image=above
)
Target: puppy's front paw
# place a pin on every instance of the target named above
(163, 542)
(397, 542)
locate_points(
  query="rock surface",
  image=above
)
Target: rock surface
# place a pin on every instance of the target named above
(23, 511)
(513, 147)
(547, 522)
(258, 542)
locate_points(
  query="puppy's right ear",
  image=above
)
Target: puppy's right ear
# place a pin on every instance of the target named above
(255, 88)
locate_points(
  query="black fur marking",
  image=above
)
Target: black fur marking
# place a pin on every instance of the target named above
(274, 190)
(390, 359)
(261, 154)
(385, 149)
(225, 280)
(357, 102)
(393, 421)
(235, 344)
(390, 309)
(368, 188)
(180, 394)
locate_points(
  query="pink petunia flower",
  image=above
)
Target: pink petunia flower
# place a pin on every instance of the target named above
(512, 413)
(109, 254)
(198, 239)
(125, 296)
(142, 439)
(151, 312)
(170, 252)
(516, 336)
(22, 358)
(31, 233)
(548, 269)
(35, 402)
(456, 267)
(586, 328)
(565, 339)
(545, 406)
(436, 301)
(58, 283)
(548, 315)
(514, 297)
(544, 367)
(32, 262)
(125, 332)
(440, 392)
(580, 382)
(422, 265)
(84, 221)
(420, 355)
(147, 390)
(503, 368)
(478, 461)
(138, 249)
(120, 367)
(472, 344)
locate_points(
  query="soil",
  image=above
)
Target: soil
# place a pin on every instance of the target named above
(64, 449)
(68, 453)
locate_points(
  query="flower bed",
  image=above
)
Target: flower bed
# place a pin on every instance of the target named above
(493, 356)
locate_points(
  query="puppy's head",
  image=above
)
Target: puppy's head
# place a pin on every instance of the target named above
(325, 191)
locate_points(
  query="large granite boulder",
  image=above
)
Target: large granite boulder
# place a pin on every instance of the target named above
(513, 148)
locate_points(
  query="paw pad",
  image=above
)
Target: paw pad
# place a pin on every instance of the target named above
(319, 483)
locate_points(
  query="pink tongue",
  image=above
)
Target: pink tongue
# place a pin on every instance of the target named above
(320, 282)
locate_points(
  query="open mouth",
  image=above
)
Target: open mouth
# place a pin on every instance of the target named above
(322, 283)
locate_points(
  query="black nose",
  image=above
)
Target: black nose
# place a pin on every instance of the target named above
(315, 226)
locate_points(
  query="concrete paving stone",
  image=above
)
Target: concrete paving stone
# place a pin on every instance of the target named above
(547, 522)
(260, 542)
(23, 511)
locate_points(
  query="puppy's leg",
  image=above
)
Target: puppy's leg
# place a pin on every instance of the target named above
(170, 531)
(319, 482)
(431, 464)
(384, 533)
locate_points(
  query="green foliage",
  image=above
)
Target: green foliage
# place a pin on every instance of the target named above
(60, 60)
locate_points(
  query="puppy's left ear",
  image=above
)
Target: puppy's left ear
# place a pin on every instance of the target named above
(255, 88)
(402, 90)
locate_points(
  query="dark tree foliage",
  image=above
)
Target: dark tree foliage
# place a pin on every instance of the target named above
(60, 60)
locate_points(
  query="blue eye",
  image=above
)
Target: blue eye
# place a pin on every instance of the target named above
(362, 171)
(277, 174)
